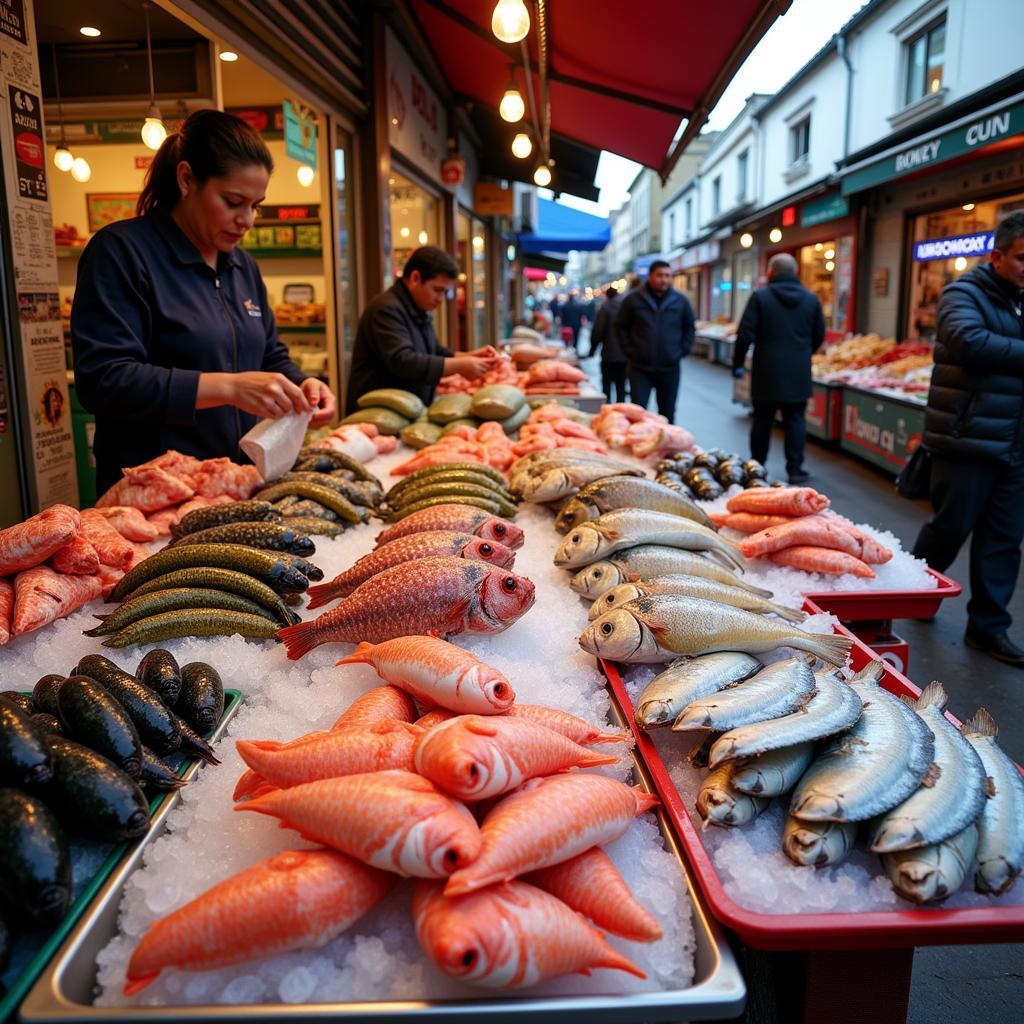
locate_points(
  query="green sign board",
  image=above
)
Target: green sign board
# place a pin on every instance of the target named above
(998, 124)
(822, 210)
(882, 430)
(299, 136)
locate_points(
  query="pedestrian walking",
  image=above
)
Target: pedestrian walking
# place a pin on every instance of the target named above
(605, 341)
(656, 327)
(974, 432)
(573, 315)
(784, 323)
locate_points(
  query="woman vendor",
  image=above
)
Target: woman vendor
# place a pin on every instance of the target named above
(174, 342)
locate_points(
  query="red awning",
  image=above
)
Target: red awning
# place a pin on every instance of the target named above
(620, 80)
(535, 274)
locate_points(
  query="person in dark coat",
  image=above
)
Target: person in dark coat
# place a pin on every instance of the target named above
(656, 326)
(785, 324)
(396, 346)
(604, 340)
(974, 431)
(573, 316)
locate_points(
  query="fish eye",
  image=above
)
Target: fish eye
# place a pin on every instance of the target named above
(610, 599)
(468, 957)
(509, 583)
(607, 628)
(499, 529)
(575, 538)
(486, 549)
(598, 573)
(498, 689)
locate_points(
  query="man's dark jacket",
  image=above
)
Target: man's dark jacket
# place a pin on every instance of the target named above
(655, 336)
(976, 399)
(784, 323)
(604, 338)
(396, 347)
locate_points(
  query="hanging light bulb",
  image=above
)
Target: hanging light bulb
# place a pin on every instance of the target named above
(63, 159)
(305, 174)
(522, 146)
(542, 176)
(512, 108)
(153, 130)
(80, 169)
(422, 238)
(746, 239)
(510, 21)
(775, 235)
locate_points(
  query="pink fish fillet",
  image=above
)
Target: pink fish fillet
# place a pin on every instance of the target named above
(130, 523)
(437, 672)
(813, 531)
(378, 705)
(439, 596)
(77, 558)
(330, 755)
(474, 757)
(147, 489)
(786, 501)
(392, 820)
(300, 899)
(6, 608)
(748, 522)
(510, 936)
(429, 544)
(460, 518)
(591, 884)
(111, 547)
(824, 560)
(578, 730)
(33, 541)
(42, 595)
(547, 821)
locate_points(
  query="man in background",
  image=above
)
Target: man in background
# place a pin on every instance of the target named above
(573, 315)
(974, 432)
(784, 323)
(656, 326)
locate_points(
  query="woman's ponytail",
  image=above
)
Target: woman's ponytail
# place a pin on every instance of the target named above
(211, 143)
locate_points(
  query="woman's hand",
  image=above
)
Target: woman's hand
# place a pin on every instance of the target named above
(322, 399)
(269, 395)
(472, 365)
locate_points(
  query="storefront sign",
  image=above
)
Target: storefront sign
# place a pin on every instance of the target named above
(417, 127)
(268, 121)
(309, 212)
(491, 200)
(977, 244)
(453, 171)
(706, 252)
(1001, 123)
(820, 211)
(299, 135)
(39, 392)
(883, 431)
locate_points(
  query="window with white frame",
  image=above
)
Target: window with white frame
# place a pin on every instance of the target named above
(800, 140)
(716, 196)
(742, 166)
(689, 218)
(672, 229)
(925, 60)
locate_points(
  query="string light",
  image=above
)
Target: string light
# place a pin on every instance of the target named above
(305, 174)
(746, 239)
(153, 130)
(775, 235)
(542, 176)
(510, 21)
(80, 169)
(522, 146)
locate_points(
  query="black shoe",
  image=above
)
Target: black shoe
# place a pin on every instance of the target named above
(999, 647)
(799, 477)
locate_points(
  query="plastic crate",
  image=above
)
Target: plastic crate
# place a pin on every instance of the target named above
(858, 605)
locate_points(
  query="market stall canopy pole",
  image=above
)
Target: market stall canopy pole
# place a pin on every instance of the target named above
(615, 83)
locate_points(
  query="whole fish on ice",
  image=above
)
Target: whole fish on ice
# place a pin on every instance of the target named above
(612, 492)
(720, 803)
(929, 874)
(817, 843)
(774, 772)
(689, 679)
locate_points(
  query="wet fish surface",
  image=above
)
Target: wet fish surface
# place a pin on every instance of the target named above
(689, 679)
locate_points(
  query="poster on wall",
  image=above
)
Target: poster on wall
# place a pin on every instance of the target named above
(37, 390)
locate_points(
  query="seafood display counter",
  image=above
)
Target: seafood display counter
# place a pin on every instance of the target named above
(830, 947)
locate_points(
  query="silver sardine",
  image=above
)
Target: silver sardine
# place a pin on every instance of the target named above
(928, 874)
(775, 772)
(614, 492)
(817, 843)
(563, 481)
(719, 804)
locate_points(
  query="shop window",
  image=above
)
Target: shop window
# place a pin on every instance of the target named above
(479, 251)
(925, 60)
(716, 196)
(672, 230)
(344, 224)
(721, 292)
(744, 281)
(800, 141)
(819, 266)
(463, 247)
(689, 218)
(742, 170)
(414, 220)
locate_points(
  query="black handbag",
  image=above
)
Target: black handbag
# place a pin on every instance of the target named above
(915, 478)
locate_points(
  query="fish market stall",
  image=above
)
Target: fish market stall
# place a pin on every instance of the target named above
(882, 427)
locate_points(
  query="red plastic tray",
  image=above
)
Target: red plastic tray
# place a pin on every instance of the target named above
(816, 932)
(859, 605)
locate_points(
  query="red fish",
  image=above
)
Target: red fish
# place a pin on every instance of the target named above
(378, 705)
(824, 560)
(429, 544)
(785, 501)
(42, 595)
(434, 596)
(77, 558)
(130, 523)
(111, 547)
(575, 728)
(296, 900)
(6, 607)
(460, 518)
(508, 936)
(33, 541)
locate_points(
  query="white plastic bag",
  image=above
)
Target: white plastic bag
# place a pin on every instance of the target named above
(274, 444)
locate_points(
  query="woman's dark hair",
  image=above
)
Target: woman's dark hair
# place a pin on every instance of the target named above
(431, 262)
(212, 143)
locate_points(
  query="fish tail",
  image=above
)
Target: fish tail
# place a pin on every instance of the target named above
(299, 639)
(834, 648)
(644, 801)
(593, 759)
(789, 614)
(360, 656)
(609, 737)
(249, 784)
(610, 957)
(100, 630)
(981, 723)
(933, 694)
(323, 594)
(137, 984)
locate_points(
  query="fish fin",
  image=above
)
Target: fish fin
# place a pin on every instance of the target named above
(872, 672)
(322, 594)
(789, 614)
(299, 639)
(932, 775)
(481, 728)
(585, 971)
(934, 694)
(644, 801)
(592, 759)
(248, 783)
(981, 723)
(137, 984)
(360, 656)
(608, 737)
(657, 630)
(834, 648)
(608, 532)
(100, 630)
(847, 745)
(990, 787)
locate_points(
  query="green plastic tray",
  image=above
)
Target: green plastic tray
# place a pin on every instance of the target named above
(20, 985)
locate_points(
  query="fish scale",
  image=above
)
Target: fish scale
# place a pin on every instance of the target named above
(458, 518)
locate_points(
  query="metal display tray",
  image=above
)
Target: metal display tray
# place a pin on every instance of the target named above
(64, 992)
(859, 930)
(159, 807)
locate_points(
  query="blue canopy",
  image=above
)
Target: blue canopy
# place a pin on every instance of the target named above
(562, 228)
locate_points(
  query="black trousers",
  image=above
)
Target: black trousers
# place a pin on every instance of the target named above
(794, 424)
(664, 384)
(986, 501)
(613, 381)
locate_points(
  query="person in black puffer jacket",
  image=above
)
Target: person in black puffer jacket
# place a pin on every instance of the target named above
(604, 339)
(974, 431)
(785, 324)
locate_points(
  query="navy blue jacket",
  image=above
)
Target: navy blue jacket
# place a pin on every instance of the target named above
(785, 324)
(653, 335)
(149, 317)
(604, 338)
(976, 399)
